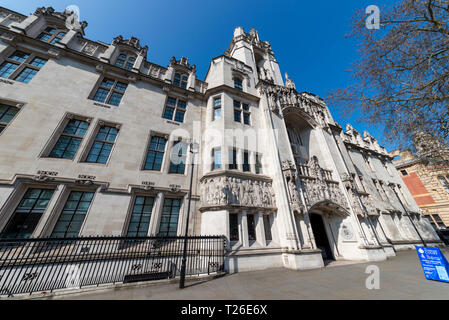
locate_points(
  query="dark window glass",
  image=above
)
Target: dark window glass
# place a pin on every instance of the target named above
(170, 217)
(178, 158)
(155, 154)
(233, 160)
(104, 141)
(73, 215)
(7, 69)
(251, 227)
(112, 89)
(246, 165)
(267, 228)
(237, 116)
(70, 140)
(115, 98)
(140, 217)
(44, 37)
(176, 108)
(27, 214)
(238, 84)
(19, 56)
(258, 164)
(7, 113)
(246, 118)
(234, 227)
(26, 75)
(180, 80)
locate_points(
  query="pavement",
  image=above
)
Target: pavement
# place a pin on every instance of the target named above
(401, 278)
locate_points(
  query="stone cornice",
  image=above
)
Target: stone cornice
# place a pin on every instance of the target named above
(89, 182)
(224, 87)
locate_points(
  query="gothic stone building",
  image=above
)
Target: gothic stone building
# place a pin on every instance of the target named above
(89, 131)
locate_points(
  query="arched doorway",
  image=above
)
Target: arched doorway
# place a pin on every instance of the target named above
(321, 238)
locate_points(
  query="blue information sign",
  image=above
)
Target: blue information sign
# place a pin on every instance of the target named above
(434, 264)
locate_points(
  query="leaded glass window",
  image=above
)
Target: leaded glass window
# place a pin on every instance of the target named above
(102, 146)
(52, 35)
(178, 158)
(110, 91)
(70, 139)
(140, 217)
(7, 113)
(181, 80)
(21, 66)
(242, 113)
(27, 215)
(155, 154)
(175, 109)
(73, 215)
(125, 61)
(170, 218)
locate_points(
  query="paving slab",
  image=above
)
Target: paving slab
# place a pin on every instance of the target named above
(401, 278)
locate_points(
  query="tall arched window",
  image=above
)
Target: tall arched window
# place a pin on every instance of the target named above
(181, 80)
(52, 35)
(125, 61)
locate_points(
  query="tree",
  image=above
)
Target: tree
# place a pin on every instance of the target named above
(401, 79)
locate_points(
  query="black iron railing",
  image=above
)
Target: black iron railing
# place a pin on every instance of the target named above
(44, 265)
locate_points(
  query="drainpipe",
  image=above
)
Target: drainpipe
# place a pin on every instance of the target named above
(408, 213)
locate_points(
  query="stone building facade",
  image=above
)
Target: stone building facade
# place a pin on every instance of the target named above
(92, 134)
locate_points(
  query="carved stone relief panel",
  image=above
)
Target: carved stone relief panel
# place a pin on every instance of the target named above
(237, 191)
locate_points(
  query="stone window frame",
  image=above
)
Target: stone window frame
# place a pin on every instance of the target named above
(232, 240)
(182, 81)
(246, 163)
(23, 65)
(10, 103)
(387, 168)
(244, 109)
(93, 138)
(147, 149)
(270, 221)
(129, 60)
(54, 138)
(217, 107)
(64, 204)
(379, 191)
(235, 166)
(258, 226)
(176, 108)
(368, 161)
(58, 208)
(258, 166)
(180, 214)
(111, 90)
(173, 143)
(238, 82)
(10, 206)
(131, 206)
(53, 37)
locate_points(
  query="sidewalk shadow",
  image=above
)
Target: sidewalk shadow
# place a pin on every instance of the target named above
(195, 283)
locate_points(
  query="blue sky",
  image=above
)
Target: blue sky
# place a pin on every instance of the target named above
(308, 37)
